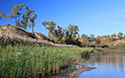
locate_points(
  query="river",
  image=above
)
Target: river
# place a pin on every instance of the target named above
(108, 65)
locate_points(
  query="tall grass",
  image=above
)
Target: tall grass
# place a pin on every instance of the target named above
(27, 61)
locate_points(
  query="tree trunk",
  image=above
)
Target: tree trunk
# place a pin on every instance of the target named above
(49, 34)
(18, 21)
(15, 21)
(32, 30)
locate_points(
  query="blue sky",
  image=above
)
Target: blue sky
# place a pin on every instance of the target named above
(98, 17)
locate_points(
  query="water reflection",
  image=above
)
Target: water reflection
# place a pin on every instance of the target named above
(107, 63)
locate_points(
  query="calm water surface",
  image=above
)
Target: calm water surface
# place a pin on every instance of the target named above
(108, 64)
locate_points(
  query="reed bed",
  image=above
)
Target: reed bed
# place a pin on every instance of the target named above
(28, 61)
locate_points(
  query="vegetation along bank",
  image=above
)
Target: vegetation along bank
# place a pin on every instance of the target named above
(28, 61)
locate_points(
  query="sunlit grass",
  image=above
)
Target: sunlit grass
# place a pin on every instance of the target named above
(25, 61)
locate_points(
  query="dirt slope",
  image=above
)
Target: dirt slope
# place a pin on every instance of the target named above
(18, 33)
(14, 32)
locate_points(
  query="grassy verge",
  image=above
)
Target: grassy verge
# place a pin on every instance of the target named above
(27, 61)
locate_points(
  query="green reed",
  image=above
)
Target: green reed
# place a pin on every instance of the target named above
(27, 61)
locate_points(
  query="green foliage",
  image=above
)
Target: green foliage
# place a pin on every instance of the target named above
(24, 21)
(72, 35)
(54, 32)
(50, 26)
(28, 19)
(16, 12)
(113, 35)
(1, 14)
(9, 16)
(60, 35)
(87, 40)
(72, 31)
(27, 61)
(98, 40)
(44, 23)
(120, 35)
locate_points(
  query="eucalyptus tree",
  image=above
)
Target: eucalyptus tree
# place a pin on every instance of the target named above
(16, 12)
(32, 20)
(59, 33)
(28, 19)
(72, 31)
(120, 35)
(50, 26)
(24, 22)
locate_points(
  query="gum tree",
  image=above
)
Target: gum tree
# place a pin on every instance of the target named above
(50, 26)
(59, 33)
(28, 19)
(16, 12)
(120, 35)
(71, 33)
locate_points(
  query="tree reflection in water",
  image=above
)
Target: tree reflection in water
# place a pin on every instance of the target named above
(107, 63)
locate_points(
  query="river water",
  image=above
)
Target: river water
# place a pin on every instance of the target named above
(108, 65)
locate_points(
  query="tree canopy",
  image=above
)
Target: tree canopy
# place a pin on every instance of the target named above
(28, 19)
(16, 12)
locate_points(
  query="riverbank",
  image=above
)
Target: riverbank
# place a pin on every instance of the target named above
(97, 51)
(77, 72)
(28, 61)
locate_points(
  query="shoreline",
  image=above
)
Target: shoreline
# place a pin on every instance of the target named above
(73, 73)
(78, 71)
